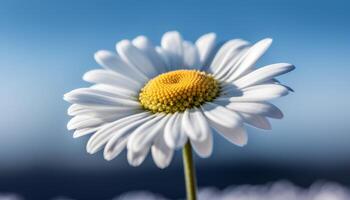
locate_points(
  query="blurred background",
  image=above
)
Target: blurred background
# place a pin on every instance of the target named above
(46, 46)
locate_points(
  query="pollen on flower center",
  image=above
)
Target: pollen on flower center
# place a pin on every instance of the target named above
(178, 90)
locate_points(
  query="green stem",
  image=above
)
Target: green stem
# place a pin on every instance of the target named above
(190, 173)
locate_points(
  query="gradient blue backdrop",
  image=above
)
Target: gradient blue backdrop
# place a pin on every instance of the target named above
(46, 46)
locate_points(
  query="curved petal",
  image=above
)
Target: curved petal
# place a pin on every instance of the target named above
(174, 135)
(195, 125)
(256, 121)
(89, 98)
(204, 148)
(119, 127)
(226, 53)
(85, 131)
(113, 62)
(78, 93)
(115, 146)
(109, 116)
(161, 153)
(232, 65)
(226, 122)
(257, 108)
(116, 90)
(162, 54)
(191, 57)
(76, 109)
(146, 46)
(172, 44)
(72, 109)
(252, 55)
(259, 93)
(134, 57)
(144, 135)
(109, 78)
(82, 121)
(263, 74)
(206, 45)
(136, 158)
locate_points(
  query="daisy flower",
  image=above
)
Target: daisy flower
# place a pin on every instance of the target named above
(156, 98)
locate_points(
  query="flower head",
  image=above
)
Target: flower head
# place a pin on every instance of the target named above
(156, 98)
(178, 90)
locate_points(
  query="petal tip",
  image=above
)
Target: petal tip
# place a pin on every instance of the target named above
(268, 40)
(211, 35)
(242, 144)
(172, 32)
(121, 45)
(65, 97)
(90, 149)
(207, 36)
(141, 42)
(161, 165)
(107, 157)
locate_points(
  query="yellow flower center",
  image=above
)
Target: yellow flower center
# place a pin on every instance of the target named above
(178, 90)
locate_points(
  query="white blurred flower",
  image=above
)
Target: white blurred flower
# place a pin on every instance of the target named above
(140, 195)
(278, 191)
(10, 196)
(281, 190)
(330, 191)
(156, 98)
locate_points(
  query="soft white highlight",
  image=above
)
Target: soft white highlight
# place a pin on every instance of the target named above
(281, 190)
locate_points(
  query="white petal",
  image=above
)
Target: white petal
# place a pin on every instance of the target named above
(98, 99)
(110, 117)
(162, 54)
(82, 121)
(275, 81)
(263, 74)
(206, 45)
(125, 92)
(226, 122)
(119, 127)
(253, 54)
(136, 158)
(261, 108)
(172, 44)
(204, 148)
(229, 68)
(256, 121)
(115, 146)
(161, 153)
(85, 131)
(146, 46)
(191, 57)
(109, 78)
(174, 135)
(226, 53)
(73, 109)
(259, 93)
(100, 111)
(134, 57)
(144, 135)
(229, 90)
(195, 125)
(77, 93)
(113, 62)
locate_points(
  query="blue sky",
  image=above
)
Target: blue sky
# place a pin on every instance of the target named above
(46, 46)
